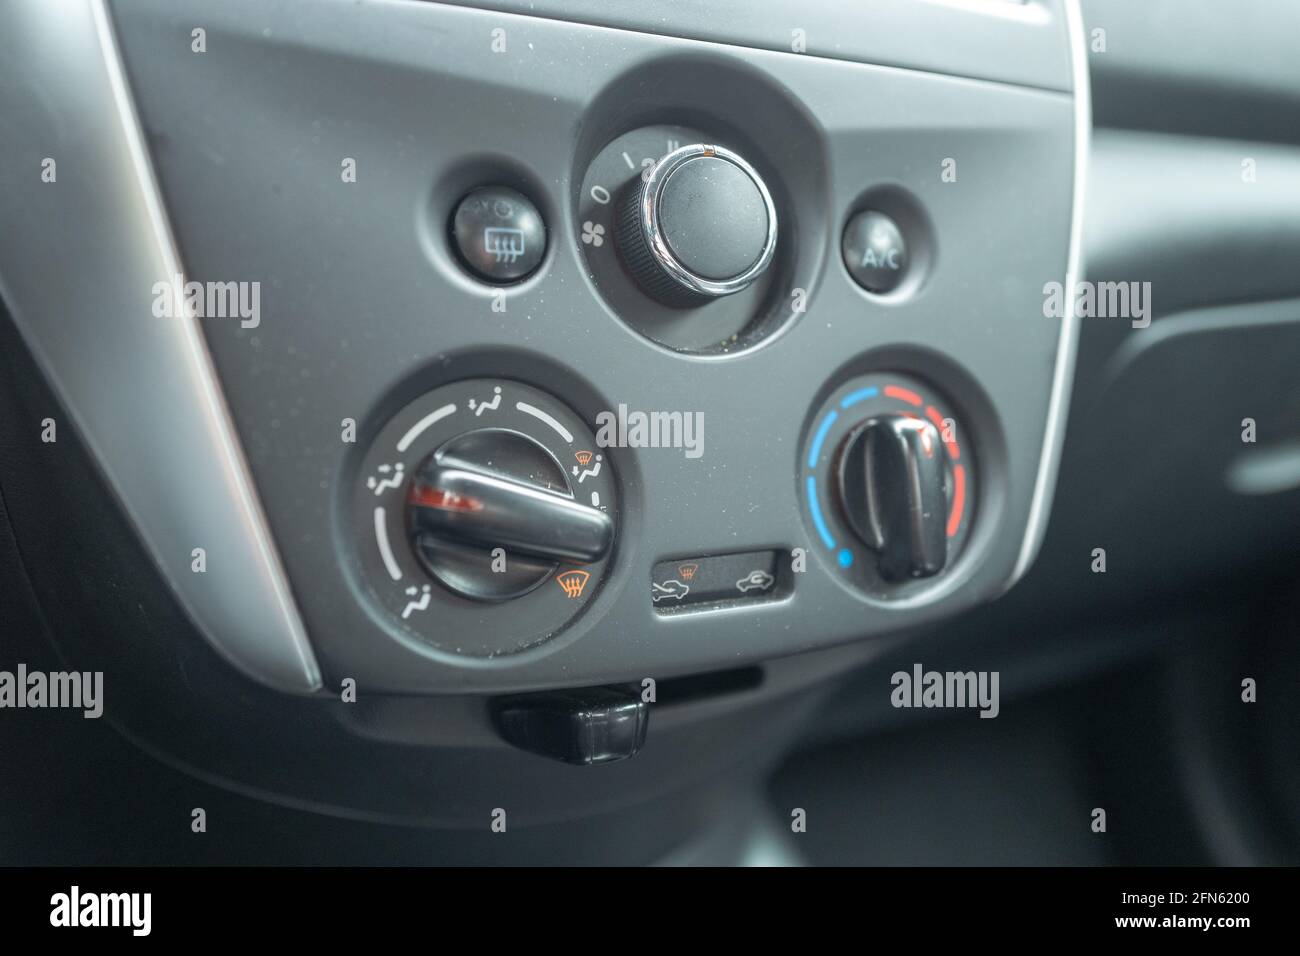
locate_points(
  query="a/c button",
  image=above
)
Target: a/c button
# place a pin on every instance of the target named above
(875, 252)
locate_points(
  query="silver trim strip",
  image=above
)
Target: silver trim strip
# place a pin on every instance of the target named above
(141, 390)
(1058, 407)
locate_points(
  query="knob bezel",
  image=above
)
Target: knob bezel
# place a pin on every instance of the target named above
(649, 195)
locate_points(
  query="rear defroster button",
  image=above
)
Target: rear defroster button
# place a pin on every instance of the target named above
(499, 234)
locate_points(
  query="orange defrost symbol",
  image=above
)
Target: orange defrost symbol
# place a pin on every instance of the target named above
(573, 582)
(687, 571)
(584, 458)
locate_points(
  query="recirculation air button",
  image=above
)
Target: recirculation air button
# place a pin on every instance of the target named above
(714, 579)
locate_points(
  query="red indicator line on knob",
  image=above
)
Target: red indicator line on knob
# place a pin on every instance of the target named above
(950, 443)
(905, 394)
(958, 500)
(426, 497)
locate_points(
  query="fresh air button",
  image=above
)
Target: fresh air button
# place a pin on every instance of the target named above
(751, 576)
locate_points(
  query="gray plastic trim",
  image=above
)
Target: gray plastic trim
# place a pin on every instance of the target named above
(1237, 242)
(1244, 50)
(1058, 408)
(949, 37)
(141, 390)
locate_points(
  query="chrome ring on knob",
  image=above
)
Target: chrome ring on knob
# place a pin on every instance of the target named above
(657, 245)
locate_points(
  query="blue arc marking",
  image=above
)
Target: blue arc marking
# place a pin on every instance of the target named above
(854, 397)
(845, 556)
(816, 509)
(816, 451)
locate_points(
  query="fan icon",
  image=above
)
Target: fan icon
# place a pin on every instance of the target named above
(593, 233)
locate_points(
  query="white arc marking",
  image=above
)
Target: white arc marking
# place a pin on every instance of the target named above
(423, 423)
(385, 549)
(543, 416)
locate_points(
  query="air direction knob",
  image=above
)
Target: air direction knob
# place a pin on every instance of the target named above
(496, 488)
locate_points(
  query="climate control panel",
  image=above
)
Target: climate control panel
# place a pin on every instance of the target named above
(487, 512)
(794, 251)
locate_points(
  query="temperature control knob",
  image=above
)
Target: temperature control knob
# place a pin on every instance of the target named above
(890, 485)
(893, 489)
(699, 224)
